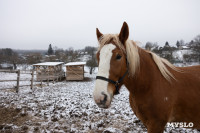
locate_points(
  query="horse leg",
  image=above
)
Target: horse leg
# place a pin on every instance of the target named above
(156, 127)
(132, 103)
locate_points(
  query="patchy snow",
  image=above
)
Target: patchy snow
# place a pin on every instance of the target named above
(186, 64)
(85, 58)
(67, 107)
(48, 63)
(6, 65)
(75, 63)
(26, 77)
(87, 70)
(178, 55)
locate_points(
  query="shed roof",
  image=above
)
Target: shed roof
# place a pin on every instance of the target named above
(48, 64)
(75, 63)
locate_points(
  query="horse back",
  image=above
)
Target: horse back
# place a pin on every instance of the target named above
(189, 75)
(191, 69)
(187, 100)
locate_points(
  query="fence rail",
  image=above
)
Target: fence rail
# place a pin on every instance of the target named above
(17, 79)
(7, 80)
(9, 71)
(40, 79)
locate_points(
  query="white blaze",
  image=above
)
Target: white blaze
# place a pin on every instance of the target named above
(104, 68)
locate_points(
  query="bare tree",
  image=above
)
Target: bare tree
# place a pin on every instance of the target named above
(182, 42)
(197, 39)
(196, 46)
(33, 58)
(91, 63)
(60, 54)
(7, 55)
(150, 46)
(72, 55)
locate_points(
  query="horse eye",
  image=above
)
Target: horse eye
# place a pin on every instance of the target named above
(118, 57)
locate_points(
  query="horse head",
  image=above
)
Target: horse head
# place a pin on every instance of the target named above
(112, 65)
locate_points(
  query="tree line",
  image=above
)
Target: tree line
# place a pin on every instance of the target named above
(53, 53)
(13, 58)
(192, 49)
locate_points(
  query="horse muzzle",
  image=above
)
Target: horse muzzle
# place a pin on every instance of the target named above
(103, 100)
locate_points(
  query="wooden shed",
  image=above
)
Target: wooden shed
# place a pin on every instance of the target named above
(49, 71)
(75, 70)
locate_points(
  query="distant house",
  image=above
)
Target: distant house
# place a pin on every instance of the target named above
(75, 70)
(183, 47)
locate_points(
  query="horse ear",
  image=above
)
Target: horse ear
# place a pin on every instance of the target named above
(124, 33)
(99, 34)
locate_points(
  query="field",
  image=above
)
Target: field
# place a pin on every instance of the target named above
(66, 107)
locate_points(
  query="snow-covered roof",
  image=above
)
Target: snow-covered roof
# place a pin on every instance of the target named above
(184, 47)
(75, 63)
(48, 63)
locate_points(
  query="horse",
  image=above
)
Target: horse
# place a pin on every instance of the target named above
(159, 92)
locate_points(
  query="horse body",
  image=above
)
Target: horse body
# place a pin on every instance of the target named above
(159, 91)
(156, 101)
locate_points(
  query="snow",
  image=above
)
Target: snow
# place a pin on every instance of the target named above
(186, 64)
(178, 55)
(185, 47)
(6, 65)
(87, 69)
(69, 107)
(48, 63)
(13, 76)
(75, 63)
(85, 58)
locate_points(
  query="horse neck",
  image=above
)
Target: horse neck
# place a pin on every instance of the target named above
(146, 75)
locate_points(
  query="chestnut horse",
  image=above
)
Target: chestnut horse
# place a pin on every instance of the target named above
(159, 91)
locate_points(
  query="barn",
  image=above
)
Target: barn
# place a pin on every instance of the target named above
(49, 71)
(75, 70)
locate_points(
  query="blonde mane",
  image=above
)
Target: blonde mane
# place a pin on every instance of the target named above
(133, 57)
(162, 63)
(107, 37)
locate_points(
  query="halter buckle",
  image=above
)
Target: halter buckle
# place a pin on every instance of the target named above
(117, 83)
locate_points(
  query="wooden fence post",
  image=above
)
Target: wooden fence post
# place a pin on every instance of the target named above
(32, 77)
(48, 78)
(41, 83)
(57, 76)
(18, 76)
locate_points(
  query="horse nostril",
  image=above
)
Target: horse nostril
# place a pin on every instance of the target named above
(105, 98)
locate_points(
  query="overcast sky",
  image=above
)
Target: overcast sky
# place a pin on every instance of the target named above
(34, 24)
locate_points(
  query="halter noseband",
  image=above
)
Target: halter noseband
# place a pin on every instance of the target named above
(116, 83)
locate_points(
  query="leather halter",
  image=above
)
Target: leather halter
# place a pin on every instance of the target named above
(116, 83)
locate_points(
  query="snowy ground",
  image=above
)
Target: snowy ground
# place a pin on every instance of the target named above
(65, 107)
